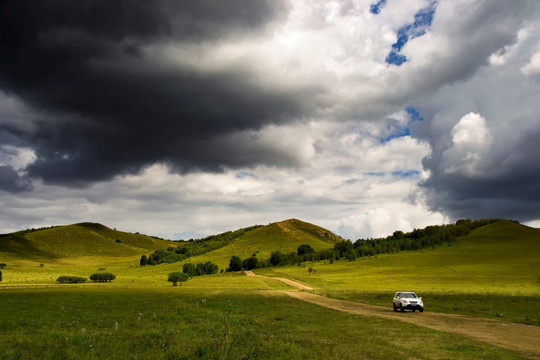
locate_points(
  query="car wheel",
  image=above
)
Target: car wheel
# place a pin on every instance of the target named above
(413, 310)
(394, 307)
(421, 309)
(401, 308)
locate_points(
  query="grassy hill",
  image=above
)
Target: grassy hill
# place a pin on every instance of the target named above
(285, 236)
(84, 239)
(503, 257)
(494, 271)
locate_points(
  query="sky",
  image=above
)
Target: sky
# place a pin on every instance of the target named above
(182, 119)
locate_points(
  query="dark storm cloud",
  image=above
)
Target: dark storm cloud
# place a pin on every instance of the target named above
(509, 188)
(12, 182)
(105, 108)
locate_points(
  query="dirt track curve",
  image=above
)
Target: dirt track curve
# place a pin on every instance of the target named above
(524, 339)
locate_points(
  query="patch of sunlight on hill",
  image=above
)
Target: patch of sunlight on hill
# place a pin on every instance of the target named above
(285, 236)
(499, 258)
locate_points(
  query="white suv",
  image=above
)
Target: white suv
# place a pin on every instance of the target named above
(407, 300)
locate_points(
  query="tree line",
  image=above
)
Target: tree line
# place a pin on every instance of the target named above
(97, 277)
(193, 247)
(417, 239)
(200, 269)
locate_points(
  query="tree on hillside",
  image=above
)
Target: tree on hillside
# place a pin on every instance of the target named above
(345, 249)
(250, 263)
(304, 249)
(199, 269)
(188, 269)
(177, 277)
(102, 277)
(144, 260)
(210, 268)
(277, 258)
(181, 250)
(71, 279)
(235, 264)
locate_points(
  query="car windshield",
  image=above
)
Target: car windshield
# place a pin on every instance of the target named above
(410, 296)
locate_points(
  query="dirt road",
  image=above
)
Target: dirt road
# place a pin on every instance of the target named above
(286, 281)
(524, 339)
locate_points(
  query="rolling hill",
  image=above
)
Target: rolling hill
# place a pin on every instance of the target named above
(503, 257)
(90, 239)
(84, 239)
(285, 236)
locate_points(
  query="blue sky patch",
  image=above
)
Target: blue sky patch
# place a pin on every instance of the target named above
(405, 174)
(395, 59)
(397, 129)
(377, 7)
(403, 131)
(414, 114)
(375, 173)
(245, 174)
(422, 21)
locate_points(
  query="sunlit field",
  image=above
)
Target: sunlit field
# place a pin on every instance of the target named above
(490, 273)
(218, 317)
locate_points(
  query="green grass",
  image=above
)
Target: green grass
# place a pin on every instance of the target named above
(493, 272)
(85, 239)
(248, 324)
(499, 258)
(514, 308)
(285, 236)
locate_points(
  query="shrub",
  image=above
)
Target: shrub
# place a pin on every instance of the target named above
(71, 279)
(210, 268)
(200, 269)
(3, 265)
(304, 249)
(102, 277)
(235, 264)
(177, 277)
(189, 269)
(250, 263)
(144, 260)
(277, 258)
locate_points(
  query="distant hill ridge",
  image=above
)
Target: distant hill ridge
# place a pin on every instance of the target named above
(83, 239)
(92, 239)
(285, 236)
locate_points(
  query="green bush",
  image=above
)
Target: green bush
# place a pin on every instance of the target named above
(250, 263)
(304, 249)
(144, 260)
(102, 277)
(235, 264)
(200, 269)
(177, 277)
(3, 265)
(68, 279)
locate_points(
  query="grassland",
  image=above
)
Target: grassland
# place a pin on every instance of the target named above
(231, 324)
(285, 236)
(493, 272)
(85, 239)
